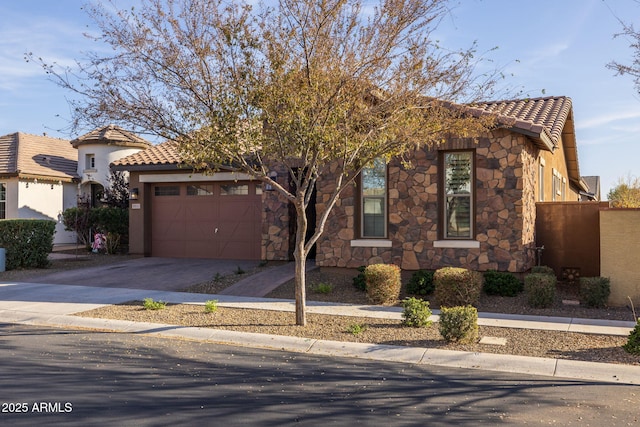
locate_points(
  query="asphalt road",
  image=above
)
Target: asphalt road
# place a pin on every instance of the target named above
(62, 377)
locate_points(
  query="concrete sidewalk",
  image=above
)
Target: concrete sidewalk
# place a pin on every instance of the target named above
(54, 305)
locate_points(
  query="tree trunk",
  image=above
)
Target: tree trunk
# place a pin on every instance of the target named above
(300, 257)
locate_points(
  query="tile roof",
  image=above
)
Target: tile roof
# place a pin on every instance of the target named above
(543, 119)
(111, 135)
(26, 155)
(165, 154)
(546, 120)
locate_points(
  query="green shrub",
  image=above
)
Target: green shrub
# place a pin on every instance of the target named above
(322, 288)
(540, 289)
(211, 306)
(109, 219)
(356, 328)
(633, 343)
(421, 283)
(416, 313)
(457, 286)
(459, 324)
(359, 282)
(594, 291)
(150, 304)
(502, 283)
(27, 242)
(383, 283)
(543, 269)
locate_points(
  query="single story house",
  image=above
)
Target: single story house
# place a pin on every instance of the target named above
(468, 202)
(38, 179)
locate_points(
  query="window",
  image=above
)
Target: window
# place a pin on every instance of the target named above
(200, 190)
(541, 181)
(3, 200)
(458, 195)
(557, 186)
(167, 190)
(234, 190)
(374, 199)
(90, 161)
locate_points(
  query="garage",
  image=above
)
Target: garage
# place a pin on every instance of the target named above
(215, 219)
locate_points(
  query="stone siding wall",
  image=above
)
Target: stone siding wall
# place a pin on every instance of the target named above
(504, 206)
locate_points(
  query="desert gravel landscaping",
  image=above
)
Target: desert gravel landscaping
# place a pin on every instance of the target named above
(575, 346)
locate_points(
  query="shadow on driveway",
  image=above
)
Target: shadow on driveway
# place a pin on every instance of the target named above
(166, 274)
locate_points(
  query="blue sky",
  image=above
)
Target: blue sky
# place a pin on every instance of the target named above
(545, 48)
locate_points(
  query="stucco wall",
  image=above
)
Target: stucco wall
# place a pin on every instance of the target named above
(47, 200)
(619, 251)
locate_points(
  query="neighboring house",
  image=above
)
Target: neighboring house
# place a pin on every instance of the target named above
(468, 202)
(96, 150)
(593, 192)
(38, 179)
(40, 176)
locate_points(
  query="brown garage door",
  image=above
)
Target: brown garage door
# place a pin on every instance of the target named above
(220, 220)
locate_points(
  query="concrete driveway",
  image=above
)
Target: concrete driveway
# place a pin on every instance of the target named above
(167, 274)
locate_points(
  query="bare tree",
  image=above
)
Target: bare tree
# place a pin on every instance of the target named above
(632, 69)
(308, 85)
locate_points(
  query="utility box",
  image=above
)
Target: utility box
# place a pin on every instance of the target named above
(3, 258)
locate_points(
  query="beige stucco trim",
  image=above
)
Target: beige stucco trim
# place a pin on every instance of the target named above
(193, 177)
(371, 243)
(457, 244)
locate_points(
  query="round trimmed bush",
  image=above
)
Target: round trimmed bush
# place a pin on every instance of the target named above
(540, 289)
(383, 283)
(457, 286)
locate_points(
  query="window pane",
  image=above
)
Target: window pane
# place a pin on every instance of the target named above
(200, 190)
(458, 173)
(234, 190)
(167, 190)
(258, 188)
(373, 216)
(458, 215)
(374, 179)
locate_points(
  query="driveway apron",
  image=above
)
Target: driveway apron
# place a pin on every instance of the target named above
(167, 274)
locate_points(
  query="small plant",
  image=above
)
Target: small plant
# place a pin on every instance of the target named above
(543, 269)
(150, 304)
(421, 283)
(457, 286)
(359, 281)
(594, 291)
(383, 283)
(322, 288)
(633, 343)
(356, 328)
(263, 263)
(239, 270)
(416, 313)
(540, 289)
(218, 277)
(459, 324)
(501, 283)
(211, 306)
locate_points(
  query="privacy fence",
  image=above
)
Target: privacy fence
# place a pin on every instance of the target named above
(586, 239)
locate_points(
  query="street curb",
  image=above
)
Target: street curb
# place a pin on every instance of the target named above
(557, 368)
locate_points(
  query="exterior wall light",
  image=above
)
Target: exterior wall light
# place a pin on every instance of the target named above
(133, 194)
